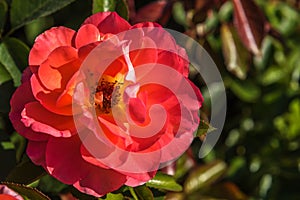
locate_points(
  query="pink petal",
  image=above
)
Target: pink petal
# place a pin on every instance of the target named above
(39, 119)
(87, 34)
(8, 194)
(20, 98)
(48, 41)
(113, 24)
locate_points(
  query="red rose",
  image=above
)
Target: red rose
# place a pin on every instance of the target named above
(60, 135)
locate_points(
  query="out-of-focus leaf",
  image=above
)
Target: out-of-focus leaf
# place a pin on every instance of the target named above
(225, 12)
(250, 23)
(104, 5)
(23, 12)
(36, 27)
(164, 182)
(235, 55)
(261, 62)
(19, 143)
(7, 61)
(175, 196)
(151, 12)
(25, 173)
(183, 165)
(245, 90)
(288, 124)
(27, 192)
(4, 75)
(179, 14)
(143, 193)
(283, 17)
(3, 11)
(235, 165)
(120, 6)
(204, 128)
(227, 190)
(272, 75)
(204, 176)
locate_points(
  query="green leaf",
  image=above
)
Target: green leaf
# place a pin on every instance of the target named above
(175, 196)
(120, 6)
(27, 192)
(204, 128)
(225, 12)
(3, 11)
(19, 143)
(204, 176)
(19, 51)
(25, 173)
(36, 27)
(164, 182)
(235, 54)
(183, 165)
(122, 9)
(49, 184)
(179, 14)
(103, 5)
(4, 75)
(245, 90)
(111, 196)
(6, 145)
(7, 61)
(23, 12)
(143, 193)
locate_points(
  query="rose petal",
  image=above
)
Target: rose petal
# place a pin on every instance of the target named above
(99, 182)
(49, 77)
(113, 24)
(48, 99)
(48, 41)
(8, 194)
(97, 18)
(20, 98)
(135, 180)
(36, 152)
(26, 75)
(63, 159)
(39, 119)
(87, 34)
(137, 110)
(61, 56)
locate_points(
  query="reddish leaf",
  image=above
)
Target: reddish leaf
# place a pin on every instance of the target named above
(235, 54)
(151, 12)
(250, 23)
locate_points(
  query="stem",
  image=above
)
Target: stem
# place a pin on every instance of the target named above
(132, 192)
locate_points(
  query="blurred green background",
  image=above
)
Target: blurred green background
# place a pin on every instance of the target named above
(257, 155)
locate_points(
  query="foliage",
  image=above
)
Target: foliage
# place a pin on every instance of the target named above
(254, 44)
